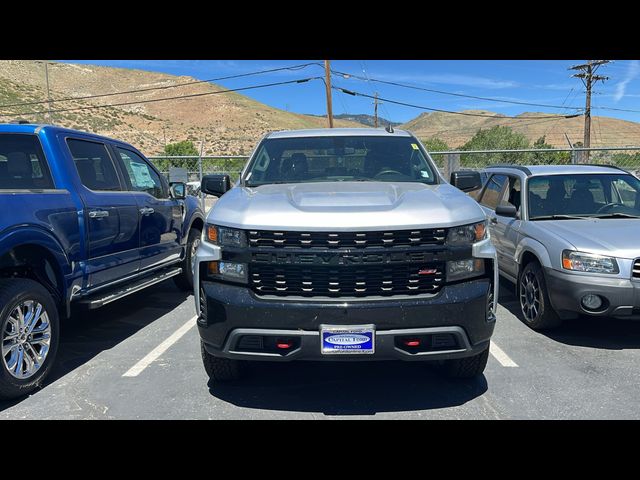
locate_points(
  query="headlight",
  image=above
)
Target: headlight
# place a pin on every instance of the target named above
(588, 262)
(461, 269)
(224, 236)
(467, 234)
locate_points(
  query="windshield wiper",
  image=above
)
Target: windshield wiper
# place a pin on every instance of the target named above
(616, 215)
(558, 217)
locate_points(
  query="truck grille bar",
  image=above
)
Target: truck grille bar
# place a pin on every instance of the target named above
(390, 238)
(353, 281)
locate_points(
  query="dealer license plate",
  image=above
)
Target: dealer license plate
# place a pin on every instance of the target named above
(347, 339)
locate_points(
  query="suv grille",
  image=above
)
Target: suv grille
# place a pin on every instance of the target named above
(349, 280)
(636, 268)
(391, 238)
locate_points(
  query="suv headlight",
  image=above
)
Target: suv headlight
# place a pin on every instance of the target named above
(224, 236)
(467, 234)
(588, 262)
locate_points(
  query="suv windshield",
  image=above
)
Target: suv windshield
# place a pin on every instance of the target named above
(339, 158)
(584, 195)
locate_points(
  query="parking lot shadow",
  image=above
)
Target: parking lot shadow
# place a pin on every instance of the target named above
(86, 334)
(585, 331)
(342, 388)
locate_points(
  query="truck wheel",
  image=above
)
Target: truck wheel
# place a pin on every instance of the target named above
(184, 281)
(28, 335)
(467, 367)
(536, 308)
(220, 369)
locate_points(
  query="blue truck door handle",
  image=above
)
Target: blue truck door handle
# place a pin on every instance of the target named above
(147, 211)
(98, 213)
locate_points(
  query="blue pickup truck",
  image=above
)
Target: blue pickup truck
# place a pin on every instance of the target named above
(84, 220)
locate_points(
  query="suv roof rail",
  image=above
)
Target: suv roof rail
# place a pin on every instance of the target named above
(517, 167)
(603, 165)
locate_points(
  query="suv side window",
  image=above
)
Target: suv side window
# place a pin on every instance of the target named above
(142, 176)
(22, 163)
(491, 196)
(511, 194)
(94, 165)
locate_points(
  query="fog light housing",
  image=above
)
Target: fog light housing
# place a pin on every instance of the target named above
(461, 269)
(229, 271)
(592, 302)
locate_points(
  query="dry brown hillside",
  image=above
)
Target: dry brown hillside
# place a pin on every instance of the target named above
(230, 122)
(458, 129)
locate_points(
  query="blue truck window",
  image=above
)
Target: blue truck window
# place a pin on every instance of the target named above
(143, 178)
(22, 163)
(94, 165)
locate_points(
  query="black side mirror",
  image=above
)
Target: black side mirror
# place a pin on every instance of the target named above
(466, 180)
(217, 184)
(507, 210)
(178, 190)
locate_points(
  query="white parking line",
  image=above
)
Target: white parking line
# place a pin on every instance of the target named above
(502, 357)
(160, 349)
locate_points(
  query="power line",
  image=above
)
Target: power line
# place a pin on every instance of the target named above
(421, 107)
(164, 87)
(179, 97)
(442, 92)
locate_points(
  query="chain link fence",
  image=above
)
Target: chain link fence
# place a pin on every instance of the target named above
(447, 161)
(624, 157)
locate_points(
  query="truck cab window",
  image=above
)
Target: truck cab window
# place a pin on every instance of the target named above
(94, 165)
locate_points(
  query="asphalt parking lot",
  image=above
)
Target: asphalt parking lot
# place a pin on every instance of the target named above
(139, 359)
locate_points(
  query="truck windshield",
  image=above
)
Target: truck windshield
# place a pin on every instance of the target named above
(584, 195)
(339, 158)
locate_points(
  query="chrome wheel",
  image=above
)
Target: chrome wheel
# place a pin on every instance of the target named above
(26, 338)
(529, 296)
(194, 248)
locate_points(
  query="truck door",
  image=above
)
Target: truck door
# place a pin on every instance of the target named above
(110, 214)
(161, 217)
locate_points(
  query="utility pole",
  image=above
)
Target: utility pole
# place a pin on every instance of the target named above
(46, 76)
(375, 110)
(588, 76)
(327, 83)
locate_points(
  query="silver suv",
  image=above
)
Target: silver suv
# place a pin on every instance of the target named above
(567, 236)
(344, 245)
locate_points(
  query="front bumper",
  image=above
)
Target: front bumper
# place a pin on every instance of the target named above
(566, 291)
(230, 311)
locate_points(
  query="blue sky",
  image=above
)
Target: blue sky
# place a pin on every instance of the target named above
(534, 81)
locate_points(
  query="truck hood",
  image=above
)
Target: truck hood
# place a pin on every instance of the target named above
(344, 206)
(616, 237)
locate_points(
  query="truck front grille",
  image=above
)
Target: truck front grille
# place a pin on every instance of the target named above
(636, 268)
(343, 281)
(388, 238)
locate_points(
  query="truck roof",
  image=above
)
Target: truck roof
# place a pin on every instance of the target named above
(338, 132)
(37, 127)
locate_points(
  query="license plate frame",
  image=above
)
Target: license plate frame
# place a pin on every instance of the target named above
(342, 344)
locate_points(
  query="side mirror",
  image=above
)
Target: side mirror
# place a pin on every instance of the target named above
(466, 180)
(506, 210)
(178, 190)
(217, 184)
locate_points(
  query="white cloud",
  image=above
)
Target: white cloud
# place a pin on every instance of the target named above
(621, 88)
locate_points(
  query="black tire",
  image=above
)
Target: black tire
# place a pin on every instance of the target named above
(184, 281)
(220, 369)
(543, 316)
(467, 367)
(12, 292)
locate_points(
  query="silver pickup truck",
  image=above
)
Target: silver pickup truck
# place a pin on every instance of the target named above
(344, 244)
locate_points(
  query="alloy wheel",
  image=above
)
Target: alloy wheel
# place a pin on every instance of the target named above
(26, 338)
